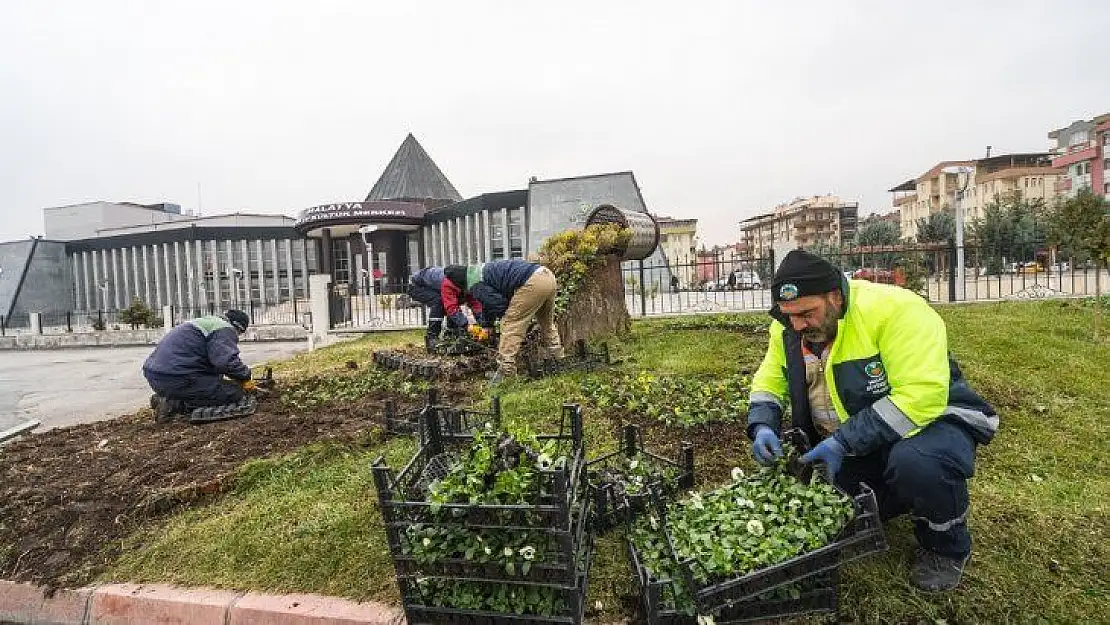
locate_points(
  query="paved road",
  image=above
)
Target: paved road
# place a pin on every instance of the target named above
(64, 387)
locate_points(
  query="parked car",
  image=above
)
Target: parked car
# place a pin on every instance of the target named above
(748, 280)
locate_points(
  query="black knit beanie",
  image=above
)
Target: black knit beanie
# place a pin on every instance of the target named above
(238, 320)
(456, 274)
(801, 274)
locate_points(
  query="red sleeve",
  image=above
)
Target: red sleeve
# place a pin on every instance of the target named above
(449, 293)
(475, 305)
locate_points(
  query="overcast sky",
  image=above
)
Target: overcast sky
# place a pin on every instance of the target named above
(722, 109)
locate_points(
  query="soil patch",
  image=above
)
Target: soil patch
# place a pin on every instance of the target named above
(717, 445)
(69, 496)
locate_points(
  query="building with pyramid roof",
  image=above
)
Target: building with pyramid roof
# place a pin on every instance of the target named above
(414, 217)
(412, 176)
(98, 256)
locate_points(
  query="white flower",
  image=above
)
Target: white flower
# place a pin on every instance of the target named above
(755, 527)
(597, 605)
(632, 465)
(427, 542)
(737, 474)
(696, 502)
(489, 551)
(544, 461)
(508, 553)
(654, 522)
(706, 619)
(528, 552)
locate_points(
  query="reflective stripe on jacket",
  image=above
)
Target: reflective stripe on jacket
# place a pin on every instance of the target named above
(889, 373)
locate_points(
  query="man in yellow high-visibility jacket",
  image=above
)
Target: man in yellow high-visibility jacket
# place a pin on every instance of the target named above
(865, 370)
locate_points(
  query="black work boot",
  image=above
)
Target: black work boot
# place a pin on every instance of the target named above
(933, 572)
(165, 409)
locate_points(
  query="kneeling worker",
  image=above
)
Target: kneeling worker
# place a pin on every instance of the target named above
(514, 290)
(425, 286)
(186, 369)
(866, 371)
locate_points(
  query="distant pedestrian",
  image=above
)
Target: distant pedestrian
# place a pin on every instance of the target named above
(732, 280)
(674, 284)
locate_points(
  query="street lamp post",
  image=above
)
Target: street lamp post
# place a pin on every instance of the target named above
(366, 231)
(959, 209)
(236, 275)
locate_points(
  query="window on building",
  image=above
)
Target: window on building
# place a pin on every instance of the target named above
(340, 262)
(516, 232)
(1078, 137)
(496, 234)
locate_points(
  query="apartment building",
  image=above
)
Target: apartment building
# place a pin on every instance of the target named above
(816, 220)
(1082, 152)
(1030, 174)
(678, 240)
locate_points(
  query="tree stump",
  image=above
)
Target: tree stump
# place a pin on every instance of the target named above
(598, 310)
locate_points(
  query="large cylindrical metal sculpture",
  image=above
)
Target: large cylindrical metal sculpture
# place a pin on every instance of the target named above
(644, 229)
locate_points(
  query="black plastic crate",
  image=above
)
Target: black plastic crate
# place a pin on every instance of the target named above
(614, 504)
(556, 523)
(818, 595)
(403, 496)
(581, 359)
(557, 562)
(573, 598)
(451, 418)
(861, 536)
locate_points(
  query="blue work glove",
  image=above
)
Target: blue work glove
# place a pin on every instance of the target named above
(766, 446)
(828, 451)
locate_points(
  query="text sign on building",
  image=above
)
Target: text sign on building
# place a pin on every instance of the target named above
(355, 211)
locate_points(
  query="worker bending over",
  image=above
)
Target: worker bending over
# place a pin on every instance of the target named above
(866, 371)
(516, 291)
(425, 286)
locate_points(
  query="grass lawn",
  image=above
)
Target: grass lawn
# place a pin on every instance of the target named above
(309, 522)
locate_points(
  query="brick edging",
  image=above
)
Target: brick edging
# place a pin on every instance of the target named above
(135, 604)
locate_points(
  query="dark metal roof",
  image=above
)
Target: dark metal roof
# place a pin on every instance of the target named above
(469, 206)
(909, 185)
(412, 175)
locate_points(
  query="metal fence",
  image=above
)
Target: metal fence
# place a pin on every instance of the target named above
(721, 285)
(261, 313)
(387, 308)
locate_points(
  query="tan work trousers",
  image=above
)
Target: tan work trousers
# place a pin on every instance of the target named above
(535, 298)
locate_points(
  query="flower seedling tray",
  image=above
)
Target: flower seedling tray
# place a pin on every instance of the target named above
(555, 562)
(621, 482)
(404, 495)
(573, 599)
(817, 594)
(862, 535)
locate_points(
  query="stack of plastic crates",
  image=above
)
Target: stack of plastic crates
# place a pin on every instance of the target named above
(556, 524)
(804, 584)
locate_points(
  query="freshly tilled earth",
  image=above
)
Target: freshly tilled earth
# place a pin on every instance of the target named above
(69, 496)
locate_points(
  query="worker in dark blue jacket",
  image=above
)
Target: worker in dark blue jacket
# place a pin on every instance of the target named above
(516, 291)
(186, 369)
(425, 287)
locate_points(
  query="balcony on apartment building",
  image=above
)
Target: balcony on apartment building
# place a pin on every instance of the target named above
(1086, 151)
(904, 200)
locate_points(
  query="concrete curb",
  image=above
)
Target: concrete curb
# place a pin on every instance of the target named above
(156, 604)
